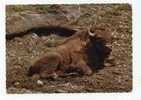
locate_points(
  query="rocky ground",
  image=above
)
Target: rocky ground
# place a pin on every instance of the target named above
(21, 52)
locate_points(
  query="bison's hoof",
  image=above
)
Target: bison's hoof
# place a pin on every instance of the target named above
(54, 76)
(88, 72)
(51, 76)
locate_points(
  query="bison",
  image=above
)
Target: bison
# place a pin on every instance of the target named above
(74, 55)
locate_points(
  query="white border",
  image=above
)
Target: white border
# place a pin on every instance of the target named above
(64, 1)
(137, 48)
(134, 95)
(2, 48)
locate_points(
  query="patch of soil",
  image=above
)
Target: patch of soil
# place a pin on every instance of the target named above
(116, 76)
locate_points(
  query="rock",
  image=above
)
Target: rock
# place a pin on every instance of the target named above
(23, 21)
(39, 82)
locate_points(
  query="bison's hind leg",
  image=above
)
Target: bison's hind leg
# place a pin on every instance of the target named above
(46, 66)
(81, 69)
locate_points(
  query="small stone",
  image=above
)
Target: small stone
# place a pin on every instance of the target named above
(108, 64)
(35, 36)
(111, 58)
(39, 82)
(16, 83)
(17, 66)
(60, 91)
(35, 77)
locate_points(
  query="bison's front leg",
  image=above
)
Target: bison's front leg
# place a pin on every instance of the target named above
(81, 67)
(84, 68)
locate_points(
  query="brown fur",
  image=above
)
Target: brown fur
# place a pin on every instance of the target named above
(70, 56)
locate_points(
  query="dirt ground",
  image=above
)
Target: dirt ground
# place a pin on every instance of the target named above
(115, 76)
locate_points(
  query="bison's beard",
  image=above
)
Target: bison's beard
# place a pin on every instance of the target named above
(97, 52)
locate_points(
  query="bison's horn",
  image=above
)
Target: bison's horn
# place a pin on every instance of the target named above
(91, 33)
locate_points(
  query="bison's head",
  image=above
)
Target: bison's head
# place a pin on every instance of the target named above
(96, 49)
